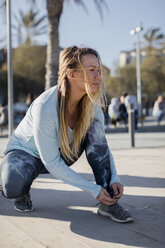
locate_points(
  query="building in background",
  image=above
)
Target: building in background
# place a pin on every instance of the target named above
(129, 57)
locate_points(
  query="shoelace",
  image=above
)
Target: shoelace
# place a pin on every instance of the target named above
(25, 199)
(97, 204)
(119, 210)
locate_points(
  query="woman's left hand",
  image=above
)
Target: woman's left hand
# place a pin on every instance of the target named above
(118, 190)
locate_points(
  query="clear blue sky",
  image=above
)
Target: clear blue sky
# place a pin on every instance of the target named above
(109, 36)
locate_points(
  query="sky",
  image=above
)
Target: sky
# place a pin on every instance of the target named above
(109, 36)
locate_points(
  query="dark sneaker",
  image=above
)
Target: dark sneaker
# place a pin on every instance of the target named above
(115, 213)
(23, 203)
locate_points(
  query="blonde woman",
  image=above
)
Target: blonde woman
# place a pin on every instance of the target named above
(59, 125)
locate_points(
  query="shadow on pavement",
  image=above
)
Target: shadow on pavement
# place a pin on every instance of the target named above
(79, 208)
(141, 129)
(148, 182)
(56, 205)
(130, 181)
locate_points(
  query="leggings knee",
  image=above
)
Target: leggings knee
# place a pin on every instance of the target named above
(18, 170)
(13, 185)
(12, 191)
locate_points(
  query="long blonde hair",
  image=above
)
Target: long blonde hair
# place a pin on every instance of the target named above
(70, 58)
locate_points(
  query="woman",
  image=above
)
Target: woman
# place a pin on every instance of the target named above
(59, 125)
(113, 111)
(159, 109)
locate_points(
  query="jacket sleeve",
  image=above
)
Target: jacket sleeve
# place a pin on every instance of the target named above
(46, 140)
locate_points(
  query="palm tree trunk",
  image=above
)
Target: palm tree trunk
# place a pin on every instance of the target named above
(54, 8)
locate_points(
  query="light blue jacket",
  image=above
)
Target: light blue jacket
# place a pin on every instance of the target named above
(38, 134)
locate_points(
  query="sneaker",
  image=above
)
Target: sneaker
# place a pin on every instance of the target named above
(23, 203)
(115, 212)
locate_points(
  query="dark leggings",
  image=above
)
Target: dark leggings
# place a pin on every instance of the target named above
(19, 168)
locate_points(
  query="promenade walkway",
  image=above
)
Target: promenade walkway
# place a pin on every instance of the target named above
(65, 216)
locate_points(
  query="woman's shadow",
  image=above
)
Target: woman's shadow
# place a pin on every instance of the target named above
(79, 208)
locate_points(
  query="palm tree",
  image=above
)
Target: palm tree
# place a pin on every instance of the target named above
(54, 10)
(152, 36)
(32, 25)
(18, 28)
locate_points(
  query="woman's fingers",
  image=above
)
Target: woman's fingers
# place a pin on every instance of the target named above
(105, 192)
(118, 190)
(120, 193)
(109, 201)
(115, 190)
(105, 198)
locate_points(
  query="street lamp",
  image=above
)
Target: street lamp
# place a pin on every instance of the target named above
(137, 31)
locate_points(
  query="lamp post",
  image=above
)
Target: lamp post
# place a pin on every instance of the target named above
(137, 31)
(10, 69)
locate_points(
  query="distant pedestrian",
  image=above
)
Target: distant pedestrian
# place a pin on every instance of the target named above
(3, 115)
(106, 117)
(159, 109)
(59, 125)
(113, 111)
(29, 99)
(123, 115)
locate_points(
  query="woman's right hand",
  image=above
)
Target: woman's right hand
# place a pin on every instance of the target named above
(105, 198)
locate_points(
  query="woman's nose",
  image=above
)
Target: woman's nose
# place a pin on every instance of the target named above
(97, 74)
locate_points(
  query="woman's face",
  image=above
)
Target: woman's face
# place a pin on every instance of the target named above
(91, 66)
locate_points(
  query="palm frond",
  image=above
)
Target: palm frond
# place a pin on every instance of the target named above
(14, 26)
(146, 37)
(15, 17)
(80, 2)
(152, 35)
(45, 27)
(158, 37)
(33, 2)
(39, 21)
(3, 4)
(31, 22)
(99, 5)
(21, 13)
(38, 33)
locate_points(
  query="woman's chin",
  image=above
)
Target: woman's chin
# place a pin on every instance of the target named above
(94, 90)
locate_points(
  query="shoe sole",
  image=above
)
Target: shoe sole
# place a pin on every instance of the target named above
(113, 218)
(23, 211)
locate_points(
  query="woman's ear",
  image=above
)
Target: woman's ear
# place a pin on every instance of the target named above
(69, 73)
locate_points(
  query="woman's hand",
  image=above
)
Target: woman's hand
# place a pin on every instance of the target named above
(118, 190)
(105, 198)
